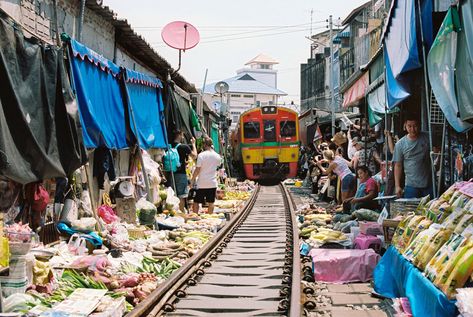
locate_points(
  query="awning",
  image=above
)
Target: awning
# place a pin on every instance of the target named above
(101, 104)
(145, 99)
(377, 105)
(356, 92)
(464, 63)
(401, 38)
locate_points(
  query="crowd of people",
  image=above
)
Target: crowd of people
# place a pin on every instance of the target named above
(354, 162)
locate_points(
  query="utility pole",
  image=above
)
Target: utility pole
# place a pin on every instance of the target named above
(332, 94)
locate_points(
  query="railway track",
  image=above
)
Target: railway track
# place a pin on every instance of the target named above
(250, 268)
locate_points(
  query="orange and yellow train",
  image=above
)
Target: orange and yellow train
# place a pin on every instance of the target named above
(266, 143)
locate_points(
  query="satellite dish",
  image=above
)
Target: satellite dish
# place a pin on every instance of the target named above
(180, 35)
(221, 87)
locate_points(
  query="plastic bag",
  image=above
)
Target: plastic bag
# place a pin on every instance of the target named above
(107, 214)
(85, 205)
(171, 199)
(84, 224)
(383, 215)
(146, 212)
(366, 214)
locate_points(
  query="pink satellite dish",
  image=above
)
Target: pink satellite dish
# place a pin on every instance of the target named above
(180, 35)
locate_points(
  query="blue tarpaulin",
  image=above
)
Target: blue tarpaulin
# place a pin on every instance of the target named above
(401, 38)
(395, 92)
(395, 277)
(101, 106)
(145, 99)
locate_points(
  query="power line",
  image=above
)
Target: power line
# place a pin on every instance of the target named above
(227, 26)
(246, 37)
(257, 31)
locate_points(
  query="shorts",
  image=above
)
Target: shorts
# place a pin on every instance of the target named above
(348, 183)
(181, 182)
(205, 195)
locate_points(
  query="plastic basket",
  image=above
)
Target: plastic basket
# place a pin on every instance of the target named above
(19, 248)
(136, 233)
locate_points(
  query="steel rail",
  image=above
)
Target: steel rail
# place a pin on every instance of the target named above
(295, 299)
(156, 301)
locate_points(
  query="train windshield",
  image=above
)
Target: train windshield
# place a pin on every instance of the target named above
(287, 128)
(269, 130)
(251, 130)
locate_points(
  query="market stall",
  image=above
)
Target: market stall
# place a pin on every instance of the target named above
(106, 273)
(431, 257)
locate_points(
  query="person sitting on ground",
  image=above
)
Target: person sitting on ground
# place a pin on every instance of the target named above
(366, 193)
(205, 176)
(339, 166)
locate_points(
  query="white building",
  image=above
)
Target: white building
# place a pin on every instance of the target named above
(254, 85)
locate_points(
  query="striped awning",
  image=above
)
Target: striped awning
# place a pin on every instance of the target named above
(356, 92)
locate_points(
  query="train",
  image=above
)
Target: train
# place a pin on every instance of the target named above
(266, 143)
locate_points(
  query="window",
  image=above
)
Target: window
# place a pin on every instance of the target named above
(251, 130)
(247, 96)
(235, 118)
(288, 128)
(269, 130)
(235, 96)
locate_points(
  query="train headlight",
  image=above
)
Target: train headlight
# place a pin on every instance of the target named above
(293, 155)
(248, 157)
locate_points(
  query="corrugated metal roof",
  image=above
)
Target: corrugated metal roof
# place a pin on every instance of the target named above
(244, 83)
(353, 14)
(136, 45)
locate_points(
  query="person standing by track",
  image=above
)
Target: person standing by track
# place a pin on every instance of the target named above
(205, 176)
(180, 177)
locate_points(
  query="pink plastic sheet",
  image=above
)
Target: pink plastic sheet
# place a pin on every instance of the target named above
(343, 266)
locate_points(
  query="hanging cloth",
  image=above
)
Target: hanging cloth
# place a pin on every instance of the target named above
(39, 137)
(441, 68)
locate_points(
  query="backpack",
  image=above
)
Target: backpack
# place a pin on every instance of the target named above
(171, 160)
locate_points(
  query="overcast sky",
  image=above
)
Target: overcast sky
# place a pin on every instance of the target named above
(233, 32)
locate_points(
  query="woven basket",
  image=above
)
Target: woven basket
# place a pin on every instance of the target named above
(136, 233)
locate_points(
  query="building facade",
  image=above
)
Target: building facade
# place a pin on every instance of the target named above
(254, 86)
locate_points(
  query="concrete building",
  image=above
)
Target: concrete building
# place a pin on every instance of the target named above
(255, 85)
(95, 26)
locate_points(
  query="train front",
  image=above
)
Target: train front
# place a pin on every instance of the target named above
(269, 143)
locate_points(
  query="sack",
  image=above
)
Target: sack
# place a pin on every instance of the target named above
(37, 196)
(171, 160)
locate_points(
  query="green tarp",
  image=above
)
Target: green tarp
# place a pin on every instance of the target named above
(214, 137)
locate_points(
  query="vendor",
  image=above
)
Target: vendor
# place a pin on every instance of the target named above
(367, 191)
(339, 166)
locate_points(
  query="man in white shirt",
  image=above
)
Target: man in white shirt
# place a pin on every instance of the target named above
(205, 172)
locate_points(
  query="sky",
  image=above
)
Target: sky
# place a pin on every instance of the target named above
(233, 32)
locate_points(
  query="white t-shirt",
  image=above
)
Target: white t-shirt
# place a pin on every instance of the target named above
(208, 161)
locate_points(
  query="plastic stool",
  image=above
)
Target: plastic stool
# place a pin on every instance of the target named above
(364, 242)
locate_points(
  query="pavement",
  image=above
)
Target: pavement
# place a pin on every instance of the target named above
(336, 300)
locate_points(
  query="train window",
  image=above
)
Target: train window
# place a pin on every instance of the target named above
(251, 130)
(269, 130)
(288, 128)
